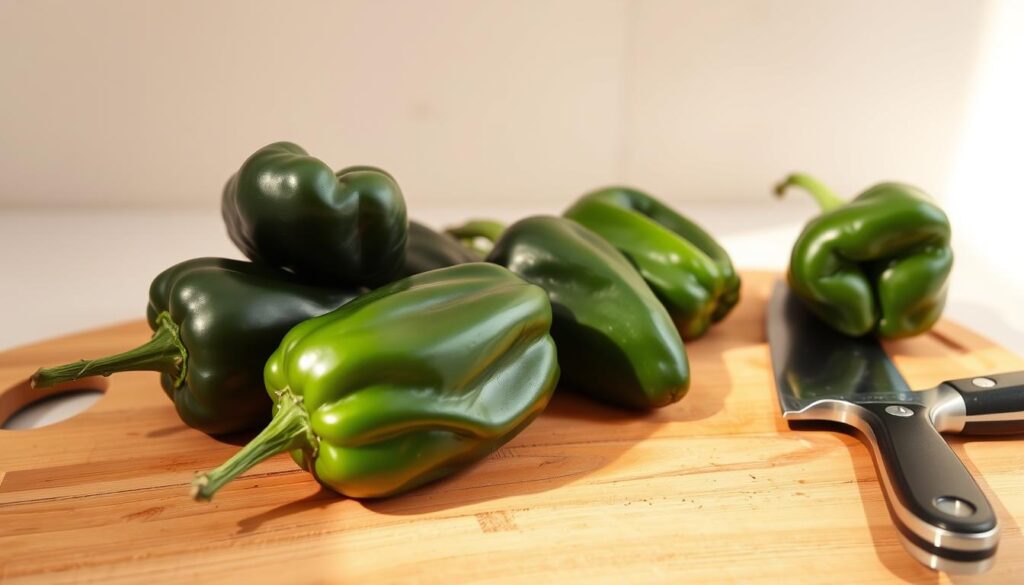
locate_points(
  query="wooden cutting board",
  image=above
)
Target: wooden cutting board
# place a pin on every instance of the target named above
(714, 488)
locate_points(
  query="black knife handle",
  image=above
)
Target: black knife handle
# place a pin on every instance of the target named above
(994, 404)
(935, 501)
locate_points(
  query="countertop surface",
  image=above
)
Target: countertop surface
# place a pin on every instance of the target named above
(69, 270)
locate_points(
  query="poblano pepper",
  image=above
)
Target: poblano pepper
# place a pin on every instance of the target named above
(688, 270)
(615, 340)
(409, 383)
(878, 263)
(477, 235)
(215, 322)
(428, 250)
(289, 210)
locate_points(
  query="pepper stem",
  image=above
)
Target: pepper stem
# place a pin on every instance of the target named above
(826, 199)
(289, 429)
(164, 352)
(472, 232)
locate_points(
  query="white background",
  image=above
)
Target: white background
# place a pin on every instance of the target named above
(121, 120)
(115, 103)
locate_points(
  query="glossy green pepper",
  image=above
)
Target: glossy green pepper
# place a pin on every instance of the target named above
(410, 383)
(215, 322)
(688, 270)
(428, 250)
(615, 340)
(878, 263)
(477, 235)
(289, 210)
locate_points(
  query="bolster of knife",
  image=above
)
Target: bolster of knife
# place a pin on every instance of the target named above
(992, 404)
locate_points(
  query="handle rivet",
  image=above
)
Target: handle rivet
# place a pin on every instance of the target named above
(897, 410)
(954, 506)
(983, 382)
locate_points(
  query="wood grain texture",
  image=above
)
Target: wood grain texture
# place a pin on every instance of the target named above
(715, 488)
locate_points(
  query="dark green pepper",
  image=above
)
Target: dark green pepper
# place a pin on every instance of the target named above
(615, 340)
(688, 270)
(477, 235)
(215, 322)
(410, 383)
(878, 263)
(428, 250)
(289, 210)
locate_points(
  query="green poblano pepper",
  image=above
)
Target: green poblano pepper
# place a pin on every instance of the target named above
(477, 235)
(428, 250)
(289, 210)
(409, 383)
(876, 264)
(684, 266)
(215, 322)
(616, 342)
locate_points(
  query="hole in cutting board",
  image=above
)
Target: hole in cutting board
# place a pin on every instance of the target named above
(23, 407)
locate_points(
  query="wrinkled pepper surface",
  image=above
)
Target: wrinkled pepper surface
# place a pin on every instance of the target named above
(428, 250)
(215, 322)
(289, 210)
(684, 266)
(876, 264)
(615, 340)
(409, 383)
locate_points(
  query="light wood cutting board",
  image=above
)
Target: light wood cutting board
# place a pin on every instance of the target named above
(714, 488)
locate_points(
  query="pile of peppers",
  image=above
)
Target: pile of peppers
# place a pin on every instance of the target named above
(382, 355)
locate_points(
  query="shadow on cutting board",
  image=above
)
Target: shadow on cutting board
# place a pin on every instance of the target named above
(322, 498)
(574, 438)
(571, 439)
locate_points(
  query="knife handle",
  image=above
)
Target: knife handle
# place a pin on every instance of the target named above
(993, 405)
(936, 503)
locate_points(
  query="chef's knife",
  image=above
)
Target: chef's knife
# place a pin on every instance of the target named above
(942, 516)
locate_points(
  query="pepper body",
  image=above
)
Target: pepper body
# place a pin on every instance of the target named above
(428, 250)
(289, 210)
(686, 268)
(877, 264)
(407, 384)
(615, 340)
(215, 323)
(477, 235)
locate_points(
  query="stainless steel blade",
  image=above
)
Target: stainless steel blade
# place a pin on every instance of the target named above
(815, 366)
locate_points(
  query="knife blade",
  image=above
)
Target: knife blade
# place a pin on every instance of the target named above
(943, 518)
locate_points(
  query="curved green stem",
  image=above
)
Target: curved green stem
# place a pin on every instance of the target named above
(289, 429)
(164, 352)
(826, 199)
(472, 232)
